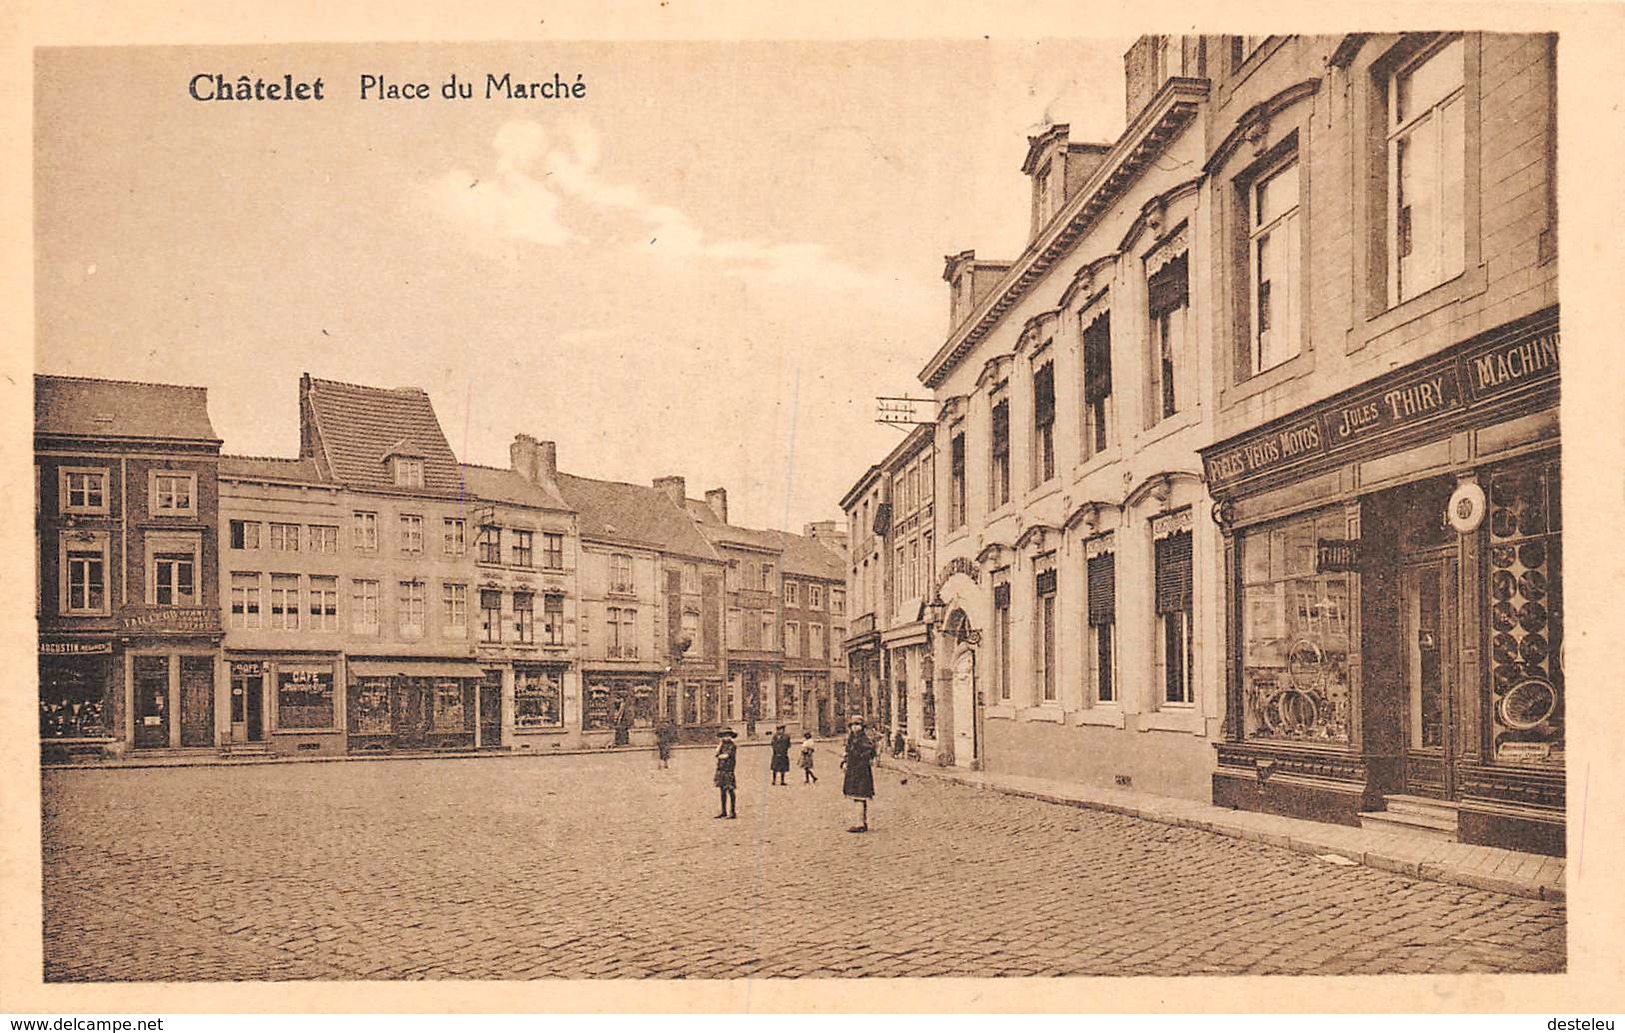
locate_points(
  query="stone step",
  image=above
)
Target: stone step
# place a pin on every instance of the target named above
(1417, 826)
(1399, 803)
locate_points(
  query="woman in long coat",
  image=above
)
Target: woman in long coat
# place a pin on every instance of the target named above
(860, 778)
(779, 766)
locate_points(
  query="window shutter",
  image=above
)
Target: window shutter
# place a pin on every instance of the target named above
(1046, 582)
(1103, 589)
(1001, 594)
(674, 608)
(1169, 287)
(1001, 428)
(1173, 560)
(1097, 358)
(711, 622)
(1044, 395)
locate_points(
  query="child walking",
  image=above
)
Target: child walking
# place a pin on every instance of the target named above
(727, 752)
(807, 776)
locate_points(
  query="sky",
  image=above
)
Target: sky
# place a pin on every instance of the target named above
(709, 265)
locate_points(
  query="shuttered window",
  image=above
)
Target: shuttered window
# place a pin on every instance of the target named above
(1174, 573)
(1103, 589)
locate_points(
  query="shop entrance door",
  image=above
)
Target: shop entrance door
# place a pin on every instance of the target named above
(491, 709)
(151, 675)
(1428, 619)
(197, 701)
(247, 706)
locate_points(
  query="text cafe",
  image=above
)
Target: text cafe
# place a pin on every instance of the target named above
(1395, 603)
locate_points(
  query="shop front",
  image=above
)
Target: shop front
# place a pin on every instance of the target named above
(78, 695)
(413, 704)
(620, 707)
(1393, 573)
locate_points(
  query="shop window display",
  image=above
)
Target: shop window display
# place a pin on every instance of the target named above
(1295, 635)
(304, 697)
(448, 706)
(73, 698)
(369, 707)
(1525, 611)
(538, 699)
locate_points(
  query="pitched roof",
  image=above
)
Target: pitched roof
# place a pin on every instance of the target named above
(720, 533)
(498, 485)
(270, 468)
(358, 427)
(811, 558)
(87, 407)
(631, 513)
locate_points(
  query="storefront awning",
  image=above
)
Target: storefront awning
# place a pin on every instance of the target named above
(426, 668)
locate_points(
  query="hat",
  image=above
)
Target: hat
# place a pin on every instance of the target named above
(858, 721)
(727, 733)
(778, 728)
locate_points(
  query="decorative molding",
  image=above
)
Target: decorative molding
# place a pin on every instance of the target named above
(1159, 485)
(1156, 213)
(992, 552)
(1036, 535)
(1099, 545)
(1087, 515)
(1254, 124)
(1034, 327)
(1168, 248)
(1086, 282)
(1165, 524)
(993, 367)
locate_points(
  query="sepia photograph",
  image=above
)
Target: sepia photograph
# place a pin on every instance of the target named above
(827, 510)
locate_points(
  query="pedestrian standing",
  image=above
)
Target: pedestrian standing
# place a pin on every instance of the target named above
(780, 764)
(663, 739)
(807, 776)
(727, 752)
(860, 778)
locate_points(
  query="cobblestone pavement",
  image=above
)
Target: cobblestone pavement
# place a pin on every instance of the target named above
(601, 866)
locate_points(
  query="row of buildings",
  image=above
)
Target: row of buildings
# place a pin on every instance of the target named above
(375, 593)
(1242, 479)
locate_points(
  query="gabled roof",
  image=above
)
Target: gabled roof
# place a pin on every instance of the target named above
(811, 558)
(497, 485)
(616, 512)
(87, 407)
(270, 468)
(719, 533)
(357, 428)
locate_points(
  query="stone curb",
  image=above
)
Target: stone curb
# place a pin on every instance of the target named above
(1301, 841)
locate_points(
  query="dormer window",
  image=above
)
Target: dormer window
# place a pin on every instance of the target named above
(408, 472)
(1046, 193)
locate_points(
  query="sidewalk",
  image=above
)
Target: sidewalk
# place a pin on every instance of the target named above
(1481, 867)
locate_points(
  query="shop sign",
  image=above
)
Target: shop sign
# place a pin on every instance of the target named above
(1466, 509)
(75, 648)
(1505, 366)
(1337, 555)
(1522, 752)
(171, 618)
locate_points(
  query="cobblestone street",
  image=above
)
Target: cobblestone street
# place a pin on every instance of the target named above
(605, 866)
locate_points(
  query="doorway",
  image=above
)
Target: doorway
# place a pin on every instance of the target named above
(491, 710)
(1428, 651)
(247, 703)
(197, 701)
(151, 691)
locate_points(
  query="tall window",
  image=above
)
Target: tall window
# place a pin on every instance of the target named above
(285, 601)
(1043, 423)
(1101, 569)
(768, 573)
(620, 573)
(1426, 171)
(815, 597)
(524, 548)
(1173, 598)
(792, 593)
(412, 609)
(284, 537)
(552, 620)
(454, 607)
(1044, 636)
(364, 615)
(1001, 635)
(245, 534)
(998, 483)
(792, 638)
(324, 539)
(490, 544)
(524, 617)
(956, 460)
(817, 643)
(490, 615)
(175, 580)
(454, 536)
(837, 601)
(690, 624)
(691, 578)
(769, 640)
(1168, 290)
(87, 580)
(1274, 245)
(1097, 383)
(174, 493)
(411, 534)
(364, 532)
(245, 599)
(623, 632)
(324, 602)
(553, 551)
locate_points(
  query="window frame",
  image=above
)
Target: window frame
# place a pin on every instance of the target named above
(1043, 458)
(552, 550)
(1255, 233)
(454, 607)
(363, 603)
(412, 594)
(1394, 129)
(410, 527)
(320, 617)
(100, 544)
(524, 618)
(238, 612)
(283, 526)
(279, 602)
(1098, 412)
(488, 545)
(364, 530)
(65, 475)
(792, 638)
(523, 550)
(233, 527)
(189, 477)
(453, 536)
(998, 470)
(323, 543)
(490, 616)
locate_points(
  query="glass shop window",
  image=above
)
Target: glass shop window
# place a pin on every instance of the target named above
(1525, 602)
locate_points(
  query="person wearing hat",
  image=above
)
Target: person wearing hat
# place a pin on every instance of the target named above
(727, 752)
(860, 778)
(779, 766)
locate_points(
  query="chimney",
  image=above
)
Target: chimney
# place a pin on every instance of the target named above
(675, 488)
(547, 460)
(717, 499)
(523, 458)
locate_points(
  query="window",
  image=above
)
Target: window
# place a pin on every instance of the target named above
(245, 599)
(1046, 193)
(84, 491)
(1001, 634)
(1044, 632)
(324, 603)
(553, 551)
(1097, 384)
(792, 638)
(412, 609)
(913, 568)
(622, 625)
(1043, 422)
(285, 601)
(284, 537)
(524, 617)
(1101, 570)
(817, 643)
(1274, 245)
(524, 548)
(455, 536)
(454, 607)
(490, 615)
(552, 620)
(998, 485)
(174, 494)
(538, 698)
(324, 538)
(956, 461)
(304, 696)
(691, 578)
(408, 472)
(792, 593)
(768, 638)
(411, 534)
(768, 573)
(490, 544)
(245, 534)
(837, 601)
(174, 579)
(364, 532)
(691, 631)
(815, 597)
(1426, 172)
(620, 574)
(364, 611)
(1173, 604)
(1168, 291)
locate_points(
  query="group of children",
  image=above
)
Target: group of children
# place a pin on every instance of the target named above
(859, 785)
